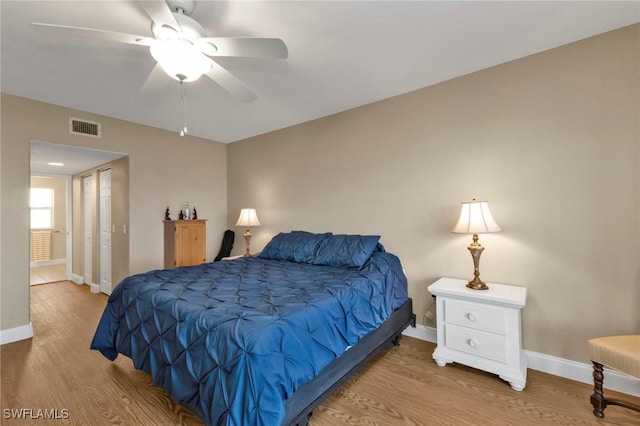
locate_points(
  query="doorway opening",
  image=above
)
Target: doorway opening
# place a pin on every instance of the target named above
(75, 245)
(49, 224)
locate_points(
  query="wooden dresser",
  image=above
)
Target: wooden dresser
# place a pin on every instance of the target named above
(184, 242)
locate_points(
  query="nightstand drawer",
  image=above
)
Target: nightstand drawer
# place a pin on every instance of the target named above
(476, 342)
(476, 315)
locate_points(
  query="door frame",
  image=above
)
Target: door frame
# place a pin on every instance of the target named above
(69, 218)
(95, 288)
(104, 287)
(68, 199)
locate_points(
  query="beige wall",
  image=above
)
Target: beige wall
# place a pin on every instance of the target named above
(59, 234)
(551, 141)
(164, 170)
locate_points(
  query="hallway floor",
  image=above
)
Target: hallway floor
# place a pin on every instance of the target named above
(48, 274)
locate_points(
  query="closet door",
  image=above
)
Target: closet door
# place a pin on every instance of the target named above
(87, 215)
(105, 231)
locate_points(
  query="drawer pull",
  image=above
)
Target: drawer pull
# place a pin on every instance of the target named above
(471, 316)
(472, 343)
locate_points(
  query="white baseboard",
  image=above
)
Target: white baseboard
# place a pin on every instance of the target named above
(78, 279)
(421, 332)
(15, 334)
(51, 262)
(549, 364)
(582, 372)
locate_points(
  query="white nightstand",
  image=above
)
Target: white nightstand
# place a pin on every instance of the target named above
(481, 328)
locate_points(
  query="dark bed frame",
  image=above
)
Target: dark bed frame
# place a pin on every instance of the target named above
(308, 396)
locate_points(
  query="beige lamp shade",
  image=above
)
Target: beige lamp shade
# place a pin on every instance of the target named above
(475, 218)
(248, 217)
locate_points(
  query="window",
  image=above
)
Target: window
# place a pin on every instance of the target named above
(41, 208)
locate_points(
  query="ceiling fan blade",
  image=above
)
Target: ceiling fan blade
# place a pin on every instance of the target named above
(93, 34)
(231, 83)
(246, 46)
(161, 16)
(157, 80)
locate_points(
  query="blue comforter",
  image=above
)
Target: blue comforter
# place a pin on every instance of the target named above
(232, 340)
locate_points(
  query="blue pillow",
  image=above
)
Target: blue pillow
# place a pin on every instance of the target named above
(296, 246)
(351, 251)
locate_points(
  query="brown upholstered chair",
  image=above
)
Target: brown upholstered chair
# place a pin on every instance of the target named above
(620, 353)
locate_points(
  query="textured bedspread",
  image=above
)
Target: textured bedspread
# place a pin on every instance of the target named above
(232, 340)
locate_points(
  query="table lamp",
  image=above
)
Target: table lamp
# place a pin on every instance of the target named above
(475, 218)
(248, 218)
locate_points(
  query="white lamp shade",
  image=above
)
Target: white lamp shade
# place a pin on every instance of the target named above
(475, 218)
(248, 217)
(179, 57)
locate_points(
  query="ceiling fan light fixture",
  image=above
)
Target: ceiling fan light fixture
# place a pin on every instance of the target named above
(180, 59)
(190, 29)
(163, 32)
(206, 47)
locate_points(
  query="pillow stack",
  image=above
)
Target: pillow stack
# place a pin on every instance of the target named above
(327, 249)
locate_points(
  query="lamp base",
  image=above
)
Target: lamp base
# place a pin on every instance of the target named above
(477, 284)
(247, 238)
(475, 248)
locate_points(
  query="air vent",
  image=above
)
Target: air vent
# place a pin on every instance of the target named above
(83, 127)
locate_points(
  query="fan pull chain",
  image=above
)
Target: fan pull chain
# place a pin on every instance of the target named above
(183, 100)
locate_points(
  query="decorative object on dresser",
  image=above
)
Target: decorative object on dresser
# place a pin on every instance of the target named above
(187, 211)
(481, 329)
(620, 353)
(184, 242)
(167, 215)
(475, 218)
(248, 218)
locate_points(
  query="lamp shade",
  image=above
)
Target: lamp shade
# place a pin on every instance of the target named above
(475, 218)
(180, 59)
(248, 217)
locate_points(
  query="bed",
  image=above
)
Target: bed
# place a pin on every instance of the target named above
(260, 340)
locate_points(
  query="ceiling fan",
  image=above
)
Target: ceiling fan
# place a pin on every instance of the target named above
(181, 47)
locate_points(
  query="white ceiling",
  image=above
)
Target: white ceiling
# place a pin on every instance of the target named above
(73, 159)
(342, 54)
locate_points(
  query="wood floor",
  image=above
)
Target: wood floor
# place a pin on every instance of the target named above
(47, 274)
(56, 371)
